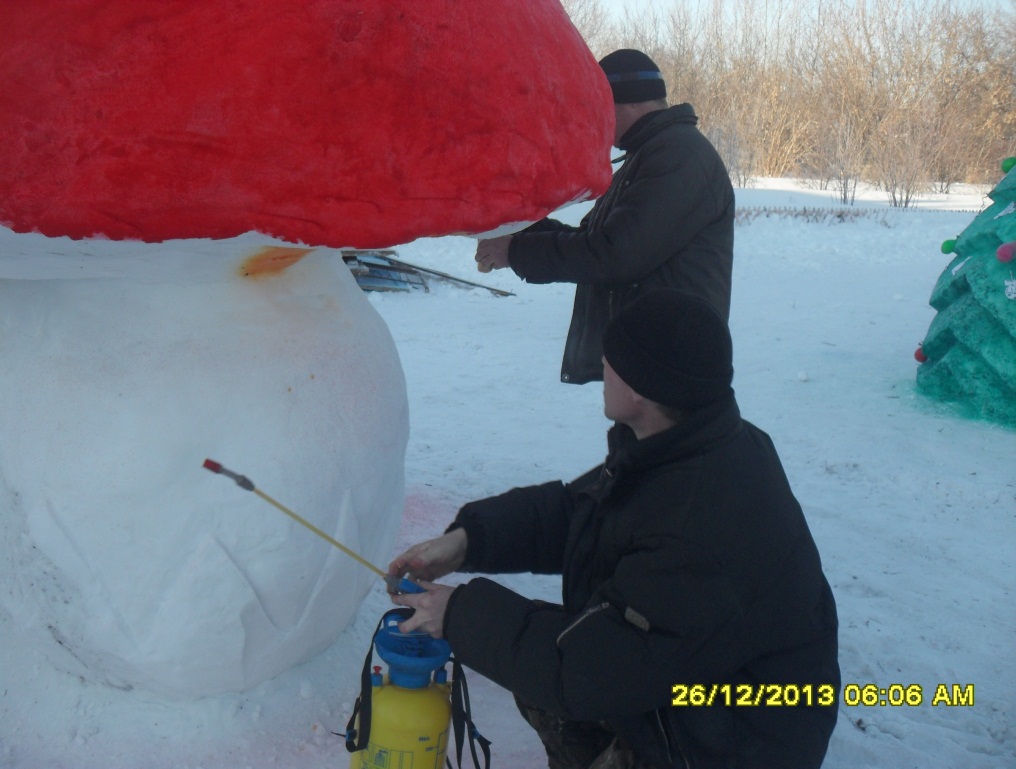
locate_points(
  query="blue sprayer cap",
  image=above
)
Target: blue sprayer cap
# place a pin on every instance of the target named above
(411, 657)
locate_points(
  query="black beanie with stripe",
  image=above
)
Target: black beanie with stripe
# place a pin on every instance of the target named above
(633, 77)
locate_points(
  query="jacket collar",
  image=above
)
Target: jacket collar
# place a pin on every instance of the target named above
(699, 432)
(647, 126)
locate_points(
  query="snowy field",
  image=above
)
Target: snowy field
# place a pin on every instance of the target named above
(913, 509)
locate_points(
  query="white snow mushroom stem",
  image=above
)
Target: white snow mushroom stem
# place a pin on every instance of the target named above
(132, 564)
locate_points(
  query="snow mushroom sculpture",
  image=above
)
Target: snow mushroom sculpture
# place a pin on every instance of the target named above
(281, 131)
(969, 354)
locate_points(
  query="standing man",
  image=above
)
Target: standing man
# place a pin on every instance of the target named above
(667, 220)
(697, 628)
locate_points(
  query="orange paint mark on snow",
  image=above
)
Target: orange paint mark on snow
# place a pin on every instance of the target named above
(272, 259)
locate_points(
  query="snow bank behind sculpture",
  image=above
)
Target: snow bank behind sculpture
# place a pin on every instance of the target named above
(130, 563)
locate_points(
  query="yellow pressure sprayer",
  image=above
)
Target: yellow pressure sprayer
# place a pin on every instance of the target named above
(401, 720)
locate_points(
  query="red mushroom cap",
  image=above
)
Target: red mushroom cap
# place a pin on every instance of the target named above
(326, 122)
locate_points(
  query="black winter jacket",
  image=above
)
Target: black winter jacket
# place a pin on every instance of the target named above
(685, 560)
(666, 221)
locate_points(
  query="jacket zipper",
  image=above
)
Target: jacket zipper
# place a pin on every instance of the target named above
(590, 611)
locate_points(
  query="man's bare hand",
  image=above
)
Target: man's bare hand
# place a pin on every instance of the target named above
(492, 254)
(433, 558)
(429, 609)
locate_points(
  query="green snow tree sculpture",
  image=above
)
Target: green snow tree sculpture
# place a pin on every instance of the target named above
(969, 354)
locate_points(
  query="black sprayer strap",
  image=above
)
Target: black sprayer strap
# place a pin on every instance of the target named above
(357, 740)
(462, 717)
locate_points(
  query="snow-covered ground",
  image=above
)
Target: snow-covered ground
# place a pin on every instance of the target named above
(913, 508)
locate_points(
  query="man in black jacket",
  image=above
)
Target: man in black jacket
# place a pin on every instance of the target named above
(667, 220)
(697, 628)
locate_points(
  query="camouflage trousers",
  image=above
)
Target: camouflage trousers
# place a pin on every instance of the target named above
(579, 744)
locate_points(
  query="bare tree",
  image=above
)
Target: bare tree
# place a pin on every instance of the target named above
(593, 23)
(900, 94)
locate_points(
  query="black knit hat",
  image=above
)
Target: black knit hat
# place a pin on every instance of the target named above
(633, 77)
(673, 348)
